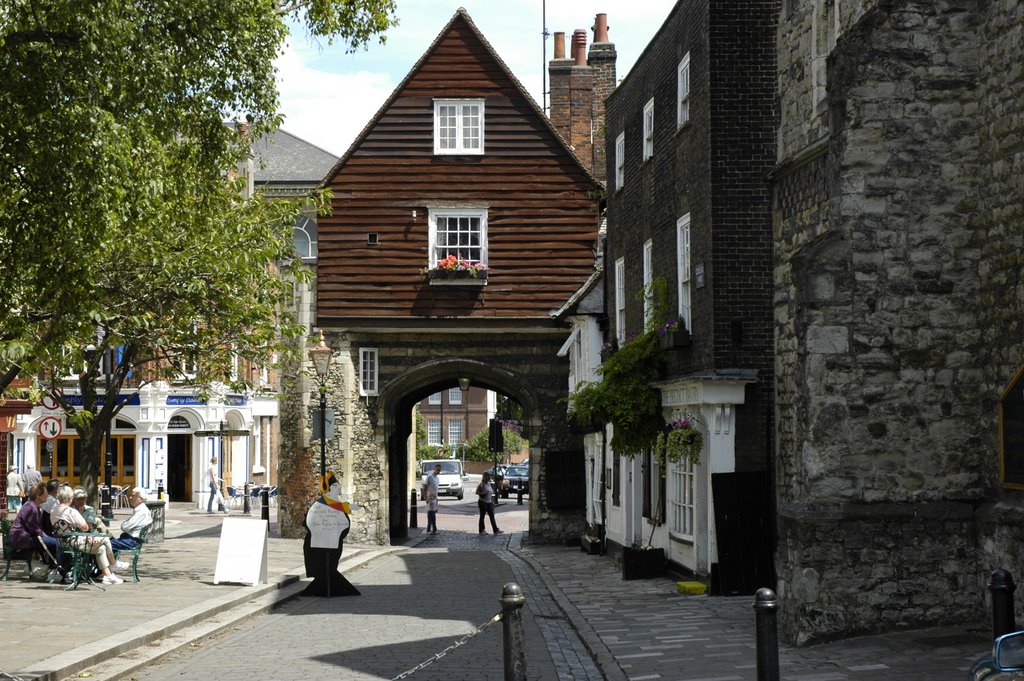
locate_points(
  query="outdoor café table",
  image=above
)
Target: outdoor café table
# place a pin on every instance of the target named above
(81, 570)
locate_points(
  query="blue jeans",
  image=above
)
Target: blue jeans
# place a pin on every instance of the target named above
(54, 547)
(213, 495)
(431, 521)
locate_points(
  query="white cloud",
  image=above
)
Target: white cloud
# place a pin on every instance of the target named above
(328, 108)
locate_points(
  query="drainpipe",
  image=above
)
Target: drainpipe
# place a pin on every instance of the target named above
(604, 490)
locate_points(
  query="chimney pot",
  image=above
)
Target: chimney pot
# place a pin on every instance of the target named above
(559, 45)
(579, 47)
(601, 28)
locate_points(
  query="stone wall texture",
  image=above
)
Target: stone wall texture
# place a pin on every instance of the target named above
(897, 310)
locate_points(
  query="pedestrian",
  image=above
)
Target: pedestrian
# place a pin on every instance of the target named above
(213, 484)
(431, 487)
(15, 490)
(485, 492)
(31, 478)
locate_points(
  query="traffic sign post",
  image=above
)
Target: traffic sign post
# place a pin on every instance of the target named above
(50, 428)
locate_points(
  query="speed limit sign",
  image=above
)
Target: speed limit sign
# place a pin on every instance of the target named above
(50, 428)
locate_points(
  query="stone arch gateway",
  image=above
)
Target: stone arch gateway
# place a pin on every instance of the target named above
(369, 447)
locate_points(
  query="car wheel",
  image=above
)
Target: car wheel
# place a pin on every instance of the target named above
(459, 496)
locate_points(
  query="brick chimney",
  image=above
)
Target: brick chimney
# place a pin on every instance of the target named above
(602, 61)
(558, 88)
(578, 85)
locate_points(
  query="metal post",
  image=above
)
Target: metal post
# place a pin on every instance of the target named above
(1002, 587)
(160, 490)
(246, 504)
(413, 522)
(265, 501)
(512, 638)
(323, 432)
(765, 605)
(105, 506)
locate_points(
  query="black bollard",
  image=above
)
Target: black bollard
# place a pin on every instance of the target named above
(265, 502)
(106, 511)
(1001, 587)
(246, 504)
(765, 606)
(413, 522)
(512, 638)
(519, 498)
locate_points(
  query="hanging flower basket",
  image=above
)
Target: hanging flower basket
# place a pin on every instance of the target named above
(680, 441)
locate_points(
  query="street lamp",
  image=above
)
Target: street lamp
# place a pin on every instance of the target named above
(321, 358)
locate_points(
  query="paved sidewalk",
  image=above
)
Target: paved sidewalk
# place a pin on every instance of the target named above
(582, 621)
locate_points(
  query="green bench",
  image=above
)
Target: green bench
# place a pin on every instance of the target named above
(135, 552)
(11, 553)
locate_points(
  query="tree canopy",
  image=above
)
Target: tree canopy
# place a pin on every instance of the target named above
(125, 227)
(113, 154)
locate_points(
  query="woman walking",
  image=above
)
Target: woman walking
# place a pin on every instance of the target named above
(485, 492)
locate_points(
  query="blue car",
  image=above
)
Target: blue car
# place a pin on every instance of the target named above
(1006, 663)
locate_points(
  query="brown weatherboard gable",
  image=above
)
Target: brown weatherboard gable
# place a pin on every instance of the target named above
(541, 202)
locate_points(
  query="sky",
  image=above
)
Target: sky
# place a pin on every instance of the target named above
(328, 96)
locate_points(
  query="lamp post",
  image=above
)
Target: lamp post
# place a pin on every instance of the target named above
(321, 358)
(464, 387)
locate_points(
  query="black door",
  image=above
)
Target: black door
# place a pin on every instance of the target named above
(744, 533)
(179, 467)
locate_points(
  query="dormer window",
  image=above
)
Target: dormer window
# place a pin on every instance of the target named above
(458, 126)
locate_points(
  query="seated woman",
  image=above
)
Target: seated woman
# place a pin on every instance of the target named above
(88, 512)
(66, 519)
(28, 525)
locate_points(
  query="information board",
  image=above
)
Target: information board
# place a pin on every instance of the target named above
(242, 553)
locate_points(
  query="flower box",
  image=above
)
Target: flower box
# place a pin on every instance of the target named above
(675, 338)
(439, 277)
(646, 563)
(590, 545)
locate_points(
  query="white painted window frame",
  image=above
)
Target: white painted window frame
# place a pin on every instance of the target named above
(435, 252)
(368, 368)
(460, 142)
(684, 270)
(620, 160)
(648, 280)
(682, 500)
(683, 91)
(620, 301)
(649, 129)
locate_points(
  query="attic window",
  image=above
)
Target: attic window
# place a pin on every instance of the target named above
(458, 126)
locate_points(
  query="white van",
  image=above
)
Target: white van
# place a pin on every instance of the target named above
(449, 480)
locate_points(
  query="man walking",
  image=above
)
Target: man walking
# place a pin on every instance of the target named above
(31, 478)
(430, 491)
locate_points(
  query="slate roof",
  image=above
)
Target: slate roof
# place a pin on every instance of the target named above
(283, 158)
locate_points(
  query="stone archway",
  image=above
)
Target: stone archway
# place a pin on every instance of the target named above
(394, 417)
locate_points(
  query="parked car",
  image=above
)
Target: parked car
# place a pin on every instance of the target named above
(498, 480)
(1006, 663)
(517, 478)
(449, 482)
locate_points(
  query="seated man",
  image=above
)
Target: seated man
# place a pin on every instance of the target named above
(140, 519)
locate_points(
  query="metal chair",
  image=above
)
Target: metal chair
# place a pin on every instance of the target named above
(234, 496)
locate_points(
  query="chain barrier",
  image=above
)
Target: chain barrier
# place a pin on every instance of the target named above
(462, 641)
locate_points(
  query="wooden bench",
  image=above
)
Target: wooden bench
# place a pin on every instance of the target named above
(135, 552)
(11, 553)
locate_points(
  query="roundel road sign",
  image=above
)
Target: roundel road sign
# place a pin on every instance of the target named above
(50, 428)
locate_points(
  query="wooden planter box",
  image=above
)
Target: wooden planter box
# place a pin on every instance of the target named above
(680, 338)
(456, 278)
(643, 563)
(590, 545)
